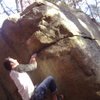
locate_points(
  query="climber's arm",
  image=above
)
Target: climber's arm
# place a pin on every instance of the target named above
(28, 67)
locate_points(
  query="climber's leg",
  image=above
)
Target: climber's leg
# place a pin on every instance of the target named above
(42, 88)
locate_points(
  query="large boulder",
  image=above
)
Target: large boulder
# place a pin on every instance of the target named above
(67, 43)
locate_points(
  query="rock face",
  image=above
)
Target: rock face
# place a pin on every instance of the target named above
(67, 42)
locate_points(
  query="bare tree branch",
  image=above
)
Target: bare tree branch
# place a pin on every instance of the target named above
(0, 1)
(74, 3)
(8, 8)
(17, 7)
(21, 4)
(89, 9)
(4, 9)
(97, 9)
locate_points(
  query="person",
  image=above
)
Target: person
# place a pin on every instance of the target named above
(27, 90)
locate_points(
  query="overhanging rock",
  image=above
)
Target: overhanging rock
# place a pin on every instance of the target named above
(67, 43)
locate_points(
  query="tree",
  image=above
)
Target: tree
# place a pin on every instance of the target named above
(93, 10)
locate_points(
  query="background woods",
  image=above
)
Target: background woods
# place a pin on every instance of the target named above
(92, 9)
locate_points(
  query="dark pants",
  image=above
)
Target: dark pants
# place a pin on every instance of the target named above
(41, 90)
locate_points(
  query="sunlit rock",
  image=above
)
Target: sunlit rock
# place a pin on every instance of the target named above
(67, 43)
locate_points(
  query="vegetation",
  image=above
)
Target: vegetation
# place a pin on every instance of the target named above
(93, 10)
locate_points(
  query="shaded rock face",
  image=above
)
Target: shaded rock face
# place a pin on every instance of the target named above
(67, 43)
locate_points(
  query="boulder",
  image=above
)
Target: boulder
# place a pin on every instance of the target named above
(67, 45)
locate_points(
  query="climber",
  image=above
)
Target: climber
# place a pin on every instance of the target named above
(26, 88)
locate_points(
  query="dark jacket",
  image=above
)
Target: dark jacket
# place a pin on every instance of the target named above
(26, 67)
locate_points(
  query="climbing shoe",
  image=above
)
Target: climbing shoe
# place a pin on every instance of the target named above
(60, 97)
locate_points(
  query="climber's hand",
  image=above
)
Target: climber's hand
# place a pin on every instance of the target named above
(32, 59)
(34, 55)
